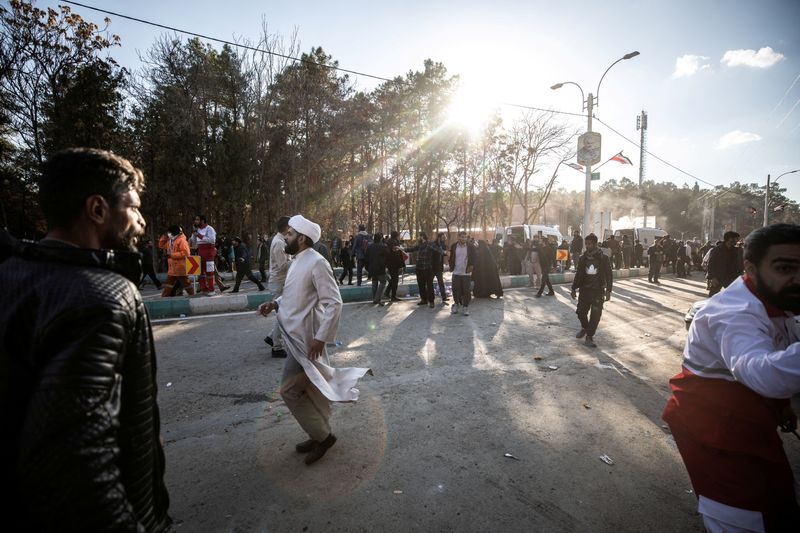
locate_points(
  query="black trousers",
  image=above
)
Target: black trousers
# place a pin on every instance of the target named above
(439, 275)
(262, 269)
(243, 271)
(148, 272)
(425, 282)
(654, 272)
(347, 270)
(590, 300)
(394, 280)
(360, 270)
(545, 281)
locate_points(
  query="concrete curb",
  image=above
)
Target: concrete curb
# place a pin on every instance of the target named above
(179, 307)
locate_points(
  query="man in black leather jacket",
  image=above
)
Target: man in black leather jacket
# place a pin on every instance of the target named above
(80, 448)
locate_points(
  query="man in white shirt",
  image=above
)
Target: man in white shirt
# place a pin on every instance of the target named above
(308, 315)
(278, 268)
(741, 366)
(205, 239)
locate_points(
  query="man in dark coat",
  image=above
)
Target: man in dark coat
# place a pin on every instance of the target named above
(576, 247)
(396, 264)
(80, 447)
(724, 264)
(593, 279)
(377, 258)
(485, 275)
(545, 255)
(242, 254)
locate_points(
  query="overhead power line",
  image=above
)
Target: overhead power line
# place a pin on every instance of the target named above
(283, 56)
(354, 72)
(651, 154)
(223, 41)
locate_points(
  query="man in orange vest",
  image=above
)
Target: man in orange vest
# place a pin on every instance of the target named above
(177, 248)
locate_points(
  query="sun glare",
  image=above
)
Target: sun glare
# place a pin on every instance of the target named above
(470, 109)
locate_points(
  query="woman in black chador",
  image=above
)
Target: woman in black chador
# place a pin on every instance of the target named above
(485, 275)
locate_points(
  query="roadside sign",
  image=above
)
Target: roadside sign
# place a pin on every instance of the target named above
(562, 255)
(595, 176)
(193, 265)
(589, 148)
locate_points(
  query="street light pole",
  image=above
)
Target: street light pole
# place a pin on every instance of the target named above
(766, 195)
(587, 195)
(589, 104)
(766, 204)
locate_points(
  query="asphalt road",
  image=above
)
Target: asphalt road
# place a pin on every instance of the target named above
(423, 449)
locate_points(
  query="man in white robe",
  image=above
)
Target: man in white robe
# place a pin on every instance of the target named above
(308, 316)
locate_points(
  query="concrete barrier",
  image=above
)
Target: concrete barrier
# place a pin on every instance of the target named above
(203, 305)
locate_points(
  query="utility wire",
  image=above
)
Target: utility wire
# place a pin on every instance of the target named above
(223, 41)
(648, 152)
(357, 73)
(291, 58)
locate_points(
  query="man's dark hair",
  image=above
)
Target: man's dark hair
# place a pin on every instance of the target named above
(237, 239)
(591, 237)
(283, 223)
(175, 229)
(460, 233)
(377, 237)
(730, 235)
(71, 176)
(202, 218)
(758, 242)
(394, 234)
(423, 236)
(362, 227)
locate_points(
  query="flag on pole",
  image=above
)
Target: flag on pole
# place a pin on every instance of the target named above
(576, 166)
(619, 158)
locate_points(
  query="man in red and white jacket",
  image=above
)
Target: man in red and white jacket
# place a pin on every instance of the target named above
(741, 366)
(206, 239)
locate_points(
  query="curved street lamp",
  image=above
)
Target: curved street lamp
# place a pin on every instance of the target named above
(589, 104)
(766, 195)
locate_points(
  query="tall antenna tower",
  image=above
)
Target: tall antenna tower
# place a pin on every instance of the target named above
(641, 126)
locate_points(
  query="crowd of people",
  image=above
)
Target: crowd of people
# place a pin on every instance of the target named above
(82, 448)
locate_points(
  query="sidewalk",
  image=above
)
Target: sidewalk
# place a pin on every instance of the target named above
(179, 307)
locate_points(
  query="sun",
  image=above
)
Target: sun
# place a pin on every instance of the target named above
(470, 109)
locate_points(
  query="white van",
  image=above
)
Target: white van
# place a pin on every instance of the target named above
(646, 236)
(527, 232)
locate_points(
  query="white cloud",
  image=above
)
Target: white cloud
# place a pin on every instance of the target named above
(764, 58)
(688, 65)
(736, 137)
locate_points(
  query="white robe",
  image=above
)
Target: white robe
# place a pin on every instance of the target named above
(309, 309)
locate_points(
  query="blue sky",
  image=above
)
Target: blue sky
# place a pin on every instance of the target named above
(714, 113)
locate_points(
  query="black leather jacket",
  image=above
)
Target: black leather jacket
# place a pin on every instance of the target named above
(80, 446)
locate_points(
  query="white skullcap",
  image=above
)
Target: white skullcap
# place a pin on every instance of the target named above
(302, 225)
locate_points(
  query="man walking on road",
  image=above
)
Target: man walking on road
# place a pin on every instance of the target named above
(424, 267)
(262, 256)
(377, 257)
(308, 315)
(724, 263)
(655, 255)
(462, 261)
(81, 447)
(546, 257)
(242, 254)
(741, 367)
(278, 267)
(594, 280)
(359, 251)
